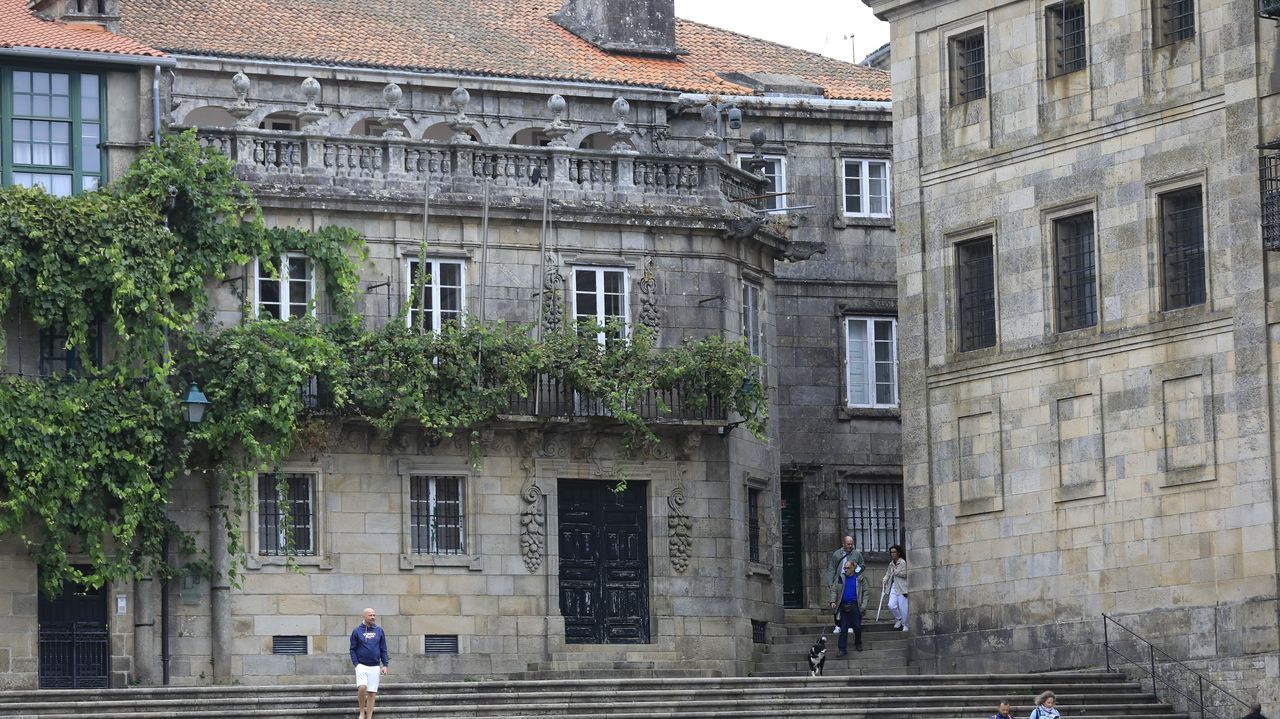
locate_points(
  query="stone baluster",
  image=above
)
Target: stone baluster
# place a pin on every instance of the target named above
(624, 172)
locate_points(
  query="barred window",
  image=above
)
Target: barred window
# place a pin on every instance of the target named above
(440, 295)
(874, 515)
(286, 287)
(57, 358)
(1182, 248)
(1175, 21)
(976, 289)
(286, 518)
(871, 361)
(968, 67)
(775, 174)
(753, 523)
(752, 309)
(1076, 272)
(1066, 35)
(866, 188)
(436, 515)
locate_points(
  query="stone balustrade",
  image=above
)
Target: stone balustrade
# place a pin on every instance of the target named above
(358, 163)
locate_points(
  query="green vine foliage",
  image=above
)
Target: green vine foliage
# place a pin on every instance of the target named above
(87, 460)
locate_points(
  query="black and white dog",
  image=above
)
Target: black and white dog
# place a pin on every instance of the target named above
(817, 657)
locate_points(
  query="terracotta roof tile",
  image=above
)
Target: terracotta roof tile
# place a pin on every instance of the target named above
(513, 38)
(20, 28)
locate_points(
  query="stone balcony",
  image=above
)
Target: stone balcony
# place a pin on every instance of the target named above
(392, 165)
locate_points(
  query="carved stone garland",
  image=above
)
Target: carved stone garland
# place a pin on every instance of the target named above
(680, 531)
(650, 315)
(533, 530)
(552, 314)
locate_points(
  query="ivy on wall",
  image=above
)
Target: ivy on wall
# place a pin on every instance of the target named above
(88, 460)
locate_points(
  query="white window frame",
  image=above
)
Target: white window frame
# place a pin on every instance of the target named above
(864, 196)
(779, 180)
(600, 317)
(869, 361)
(284, 285)
(434, 288)
(753, 317)
(433, 548)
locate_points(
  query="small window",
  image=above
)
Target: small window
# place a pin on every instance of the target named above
(759, 632)
(440, 295)
(435, 515)
(976, 291)
(874, 515)
(871, 361)
(753, 523)
(1066, 35)
(1182, 248)
(56, 358)
(286, 287)
(752, 309)
(1175, 20)
(1077, 286)
(288, 644)
(600, 298)
(968, 67)
(775, 173)
(866, 188)
(278, 534)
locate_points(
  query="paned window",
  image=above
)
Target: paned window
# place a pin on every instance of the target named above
(968, 67)
(600, 298)
(56, 358)
(54, 130)
(866, 188)
(754, 524)
(435, 515)
(1182, 248)
(752, 309)
(286, 287)
(440, 295)
(1077, 285)
(871, 361)
(1066, 34)
(874, 515)
(775, 173)
(976, 294)
(1175, 21)
(286, 515)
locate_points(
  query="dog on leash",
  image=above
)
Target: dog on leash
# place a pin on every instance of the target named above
(817, 657)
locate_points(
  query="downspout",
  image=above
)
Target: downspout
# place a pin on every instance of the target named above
(155, 108)
(164, 579)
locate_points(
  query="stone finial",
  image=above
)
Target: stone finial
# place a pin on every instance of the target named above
(312, 112)
(620, 133)
(240, 86)
(392, 121)
(558, 128)
(758, 164)
(461, 124)
(709, 140)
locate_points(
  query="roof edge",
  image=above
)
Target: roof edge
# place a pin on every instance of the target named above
(114, 58)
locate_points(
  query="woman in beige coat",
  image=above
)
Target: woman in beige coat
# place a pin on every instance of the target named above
(895, 583)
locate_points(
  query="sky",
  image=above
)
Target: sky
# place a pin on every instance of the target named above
(821, 26)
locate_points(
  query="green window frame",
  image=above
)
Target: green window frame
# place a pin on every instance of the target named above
(53, 128)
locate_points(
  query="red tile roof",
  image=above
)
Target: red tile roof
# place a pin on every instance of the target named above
(511, 38)
(20, 28)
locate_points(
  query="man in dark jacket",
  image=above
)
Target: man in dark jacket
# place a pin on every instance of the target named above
(369, 657)
(1255, 712)
(848, 613)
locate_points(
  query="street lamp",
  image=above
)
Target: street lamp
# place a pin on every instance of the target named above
(194, 404)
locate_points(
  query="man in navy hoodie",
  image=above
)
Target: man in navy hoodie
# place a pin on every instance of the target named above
(369, 656)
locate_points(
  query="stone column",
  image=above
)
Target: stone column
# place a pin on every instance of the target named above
(219, 588)
(145, 656)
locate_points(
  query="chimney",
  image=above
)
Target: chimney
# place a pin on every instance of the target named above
(634, 27)
(92, 13)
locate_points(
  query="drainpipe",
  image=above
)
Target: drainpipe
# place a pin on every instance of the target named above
(164, 611)
(155, 114)
(219, 587)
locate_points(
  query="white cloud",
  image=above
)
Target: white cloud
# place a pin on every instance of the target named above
(821, 26)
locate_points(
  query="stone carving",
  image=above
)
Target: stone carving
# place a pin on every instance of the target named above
(533, 532)
(680, 531)
(690, 442)
(650, 315)
(797, 250)
(620, 133)
(659, 139)
(392, 121)
(744, 228)
(461, 124)
(552, 281)
(558, 128)
(553, 447)
(240, 86)
(709, 140)
(756, 165)
(312, 112)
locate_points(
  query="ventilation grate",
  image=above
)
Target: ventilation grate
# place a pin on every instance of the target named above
(288, 644)
(440, 644)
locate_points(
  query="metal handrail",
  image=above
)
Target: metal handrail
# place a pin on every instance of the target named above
(1195, 698)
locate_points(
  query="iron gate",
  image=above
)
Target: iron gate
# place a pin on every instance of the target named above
(74, 639)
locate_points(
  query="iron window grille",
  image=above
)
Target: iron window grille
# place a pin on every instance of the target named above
(1269, 8)
(874, 515)
(969, 67)
(775, 175)
(56, 358)
(288, 644)
(53, 129)
(866, 188)
(1175, 21)
(753, 524)
(441, 294)
(1270, 187)
(1077, 286)
(975, 266)
(871, 361)
(752, 309)
(1182, 248)
(1066, 23)
(286, 521)
(436, 515)
(759, 632)
(440, 644)
(600, 298)
(286, 287)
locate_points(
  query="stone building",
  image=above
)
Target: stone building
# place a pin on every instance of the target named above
(1087, 337)
(565, 157)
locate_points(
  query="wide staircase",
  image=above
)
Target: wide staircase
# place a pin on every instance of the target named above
(884, 649)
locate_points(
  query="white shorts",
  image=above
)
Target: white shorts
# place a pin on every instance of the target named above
(368, 676)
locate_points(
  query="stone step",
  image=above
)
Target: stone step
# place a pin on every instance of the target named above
(616, 655)
(800, 645)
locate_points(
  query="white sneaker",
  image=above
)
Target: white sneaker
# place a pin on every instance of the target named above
(897, 625)
(904, 629)
(836, 630)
